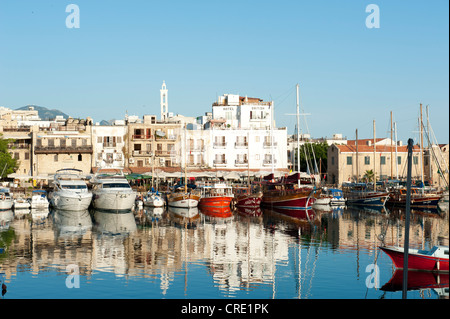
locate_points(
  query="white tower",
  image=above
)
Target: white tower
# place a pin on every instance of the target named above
(164, 102)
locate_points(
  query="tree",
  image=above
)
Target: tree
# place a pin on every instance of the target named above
(8, 164)
(369, 176)
(308, 152)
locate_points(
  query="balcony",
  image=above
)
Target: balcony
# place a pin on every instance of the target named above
(240, 145)
(220, 162)
(165, 153)
(141, 137)
(269, 162)
(86, 149)
(241, 163)
(269, 145)
(142, 153)
(219, 145)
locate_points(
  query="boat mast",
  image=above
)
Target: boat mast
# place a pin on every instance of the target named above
(357, 155)
(392, 156)
(429, 147)
(374, 159)
(396, 154)
(185, 159)
(298, 136)
(421, 146)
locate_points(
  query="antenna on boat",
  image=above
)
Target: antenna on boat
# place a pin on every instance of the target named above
(407, 212)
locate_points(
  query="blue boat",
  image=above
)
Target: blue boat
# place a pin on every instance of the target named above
(359, 194)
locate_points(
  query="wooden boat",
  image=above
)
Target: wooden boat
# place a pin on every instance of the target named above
(359, 194)
(287, 194)
(247, 197)
(435, 259)
(216, 196)
(397, 197)
(183, 197)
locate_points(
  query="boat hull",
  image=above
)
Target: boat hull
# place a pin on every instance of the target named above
(368, 200)
(248, 201)
(289, 200)
(184, 200)
(113, 200)
(215, 202)
(72, 202)
(153, 201)
(416, 261)
(419, 202)
(6, 204)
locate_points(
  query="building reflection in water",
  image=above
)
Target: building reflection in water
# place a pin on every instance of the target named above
(241, 250)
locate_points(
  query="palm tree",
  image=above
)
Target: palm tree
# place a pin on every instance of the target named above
(369, 176)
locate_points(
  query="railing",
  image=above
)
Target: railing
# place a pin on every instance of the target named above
(269, 162)
(241, 162)
(141, 136)
(220, 162)
(59, 149)
(268, 144)
(16, 129)
(241, 145)
(220, 145)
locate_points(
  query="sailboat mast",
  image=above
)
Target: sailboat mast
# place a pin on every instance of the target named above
(396, 154)
(374, 159)
(392, 156)
(298, 135)
(357, 159)
(421, 145)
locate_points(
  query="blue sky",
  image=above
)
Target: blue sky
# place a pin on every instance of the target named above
(349, 75)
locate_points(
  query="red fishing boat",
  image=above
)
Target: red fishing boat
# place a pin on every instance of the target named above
(217, 195)
(435, 259)
(247, 197)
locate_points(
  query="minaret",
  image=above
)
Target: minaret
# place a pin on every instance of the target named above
(164, 102)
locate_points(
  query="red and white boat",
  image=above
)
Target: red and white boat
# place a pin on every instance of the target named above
(435, 259)
(216, 196)
(246, 197)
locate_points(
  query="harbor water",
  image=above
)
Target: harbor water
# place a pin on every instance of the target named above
(164, 253)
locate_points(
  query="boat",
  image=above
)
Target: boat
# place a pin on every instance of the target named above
(359, 194)
(435, 259)
(330, 196)
(247, 197)
(183, 196)
(153, 199)
(21, 203)
(217, 195)
(6, 201)
(286, 193)
(39, 199)
(70, 191)
(112, 192)
(419, 199)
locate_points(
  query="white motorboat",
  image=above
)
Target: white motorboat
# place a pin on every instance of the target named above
(21, 203)
(153, 199)
(112, 192)
(39, 199)
(70, 191)
(6, 201)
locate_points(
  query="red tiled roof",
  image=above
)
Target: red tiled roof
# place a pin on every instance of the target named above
(379, 148)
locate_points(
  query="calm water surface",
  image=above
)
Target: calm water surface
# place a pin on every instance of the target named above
(159, 253)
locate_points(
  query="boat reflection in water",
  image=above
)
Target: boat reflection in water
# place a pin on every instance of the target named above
(419, 280)
(247, 211)
(186, 217)
(76, 222)
(114, 223)
(221, 212)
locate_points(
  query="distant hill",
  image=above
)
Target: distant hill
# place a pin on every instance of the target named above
(45, 113)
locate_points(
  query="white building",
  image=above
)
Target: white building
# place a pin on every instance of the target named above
(108, 144)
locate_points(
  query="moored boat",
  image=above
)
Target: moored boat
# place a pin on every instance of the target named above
(247, 197)
(153, 199)
(288, 195)
(330, 196)
(112, 192)
(360, 194)
(216, 196)
(21, 203)
(397, 197)
(70, 191)
(183, 197)
(6, 201)
(435, 259)
(39, 199)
